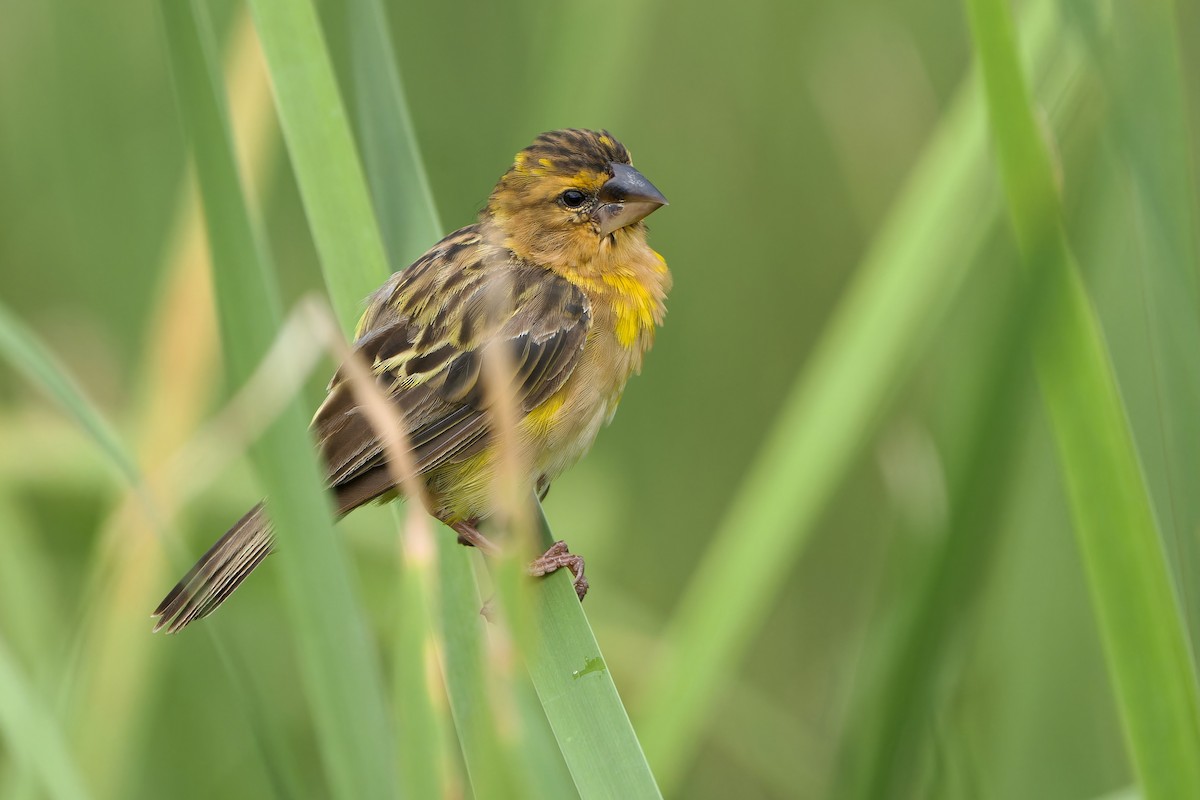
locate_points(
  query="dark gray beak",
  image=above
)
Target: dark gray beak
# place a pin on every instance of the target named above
(626, 198)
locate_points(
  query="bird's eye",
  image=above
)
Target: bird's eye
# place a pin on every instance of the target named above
(573, 198)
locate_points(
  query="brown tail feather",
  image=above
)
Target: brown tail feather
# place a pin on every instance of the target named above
(217, 573)
(243, 547)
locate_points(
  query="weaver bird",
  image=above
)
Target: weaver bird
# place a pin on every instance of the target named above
(557, 271)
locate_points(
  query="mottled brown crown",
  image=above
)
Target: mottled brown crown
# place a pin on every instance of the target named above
(573, 150)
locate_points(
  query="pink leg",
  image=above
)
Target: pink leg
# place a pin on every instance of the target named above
(470, 536)
(557, 557)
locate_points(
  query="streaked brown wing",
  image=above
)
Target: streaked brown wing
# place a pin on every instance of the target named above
(424, 335)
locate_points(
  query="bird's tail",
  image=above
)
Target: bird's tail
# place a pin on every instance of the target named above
(218, 572)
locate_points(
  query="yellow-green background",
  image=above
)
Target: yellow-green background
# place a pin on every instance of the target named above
(783, 134)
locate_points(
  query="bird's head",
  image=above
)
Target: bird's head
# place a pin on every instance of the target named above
(569, 194)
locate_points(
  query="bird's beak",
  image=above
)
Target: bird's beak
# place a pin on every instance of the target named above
(626, 198)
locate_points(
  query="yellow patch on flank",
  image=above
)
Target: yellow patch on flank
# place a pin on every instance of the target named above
(542, 417)
(629, 325)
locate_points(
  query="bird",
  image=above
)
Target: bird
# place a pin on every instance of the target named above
(557, 272)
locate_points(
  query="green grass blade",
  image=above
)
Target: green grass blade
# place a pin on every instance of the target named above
(420, 733)
(464, 667)
(577, 691)
(322, 152)
(1155, 356)
(892, 725)
(1145, 641)
(404, 206)
(884, 321)
(336, 660)
(34, 735)
(30, 357)
(31, 602)
(550, 778)
(408, 223)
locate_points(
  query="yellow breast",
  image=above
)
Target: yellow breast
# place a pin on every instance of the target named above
(632, 290)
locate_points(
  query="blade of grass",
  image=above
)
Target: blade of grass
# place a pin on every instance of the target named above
(404, 206)
(408, 221)
(322, 152)
(420, 731)
(31, 607)
(895, 718)
(885, 319)
(118, 662)
(1141, 66)
(1145, 641)
(539, 747)
(577, 691)
(492, 775)
(34, 735)
(336, 661)
(23, 350)
(80, 676)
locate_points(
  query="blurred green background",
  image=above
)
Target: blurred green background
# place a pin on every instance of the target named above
(784, 134)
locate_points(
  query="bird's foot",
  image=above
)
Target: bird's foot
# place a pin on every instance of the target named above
(557, 557)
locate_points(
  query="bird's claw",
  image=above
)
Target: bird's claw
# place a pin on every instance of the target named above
(557, 557)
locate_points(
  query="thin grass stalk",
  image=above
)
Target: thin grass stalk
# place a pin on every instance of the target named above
(1145, 639)
(31, 604)
(408, 221)
(403, 199)
(581, 701)
(1142, 67)
(886, 318)
(465, 673)
(423, 777)
(512, 603)
(894, 722)
(32, 618)
(322, 152)
(34, 735)
(118, 662)
(21, 348)
(421, 728)
(339, 669)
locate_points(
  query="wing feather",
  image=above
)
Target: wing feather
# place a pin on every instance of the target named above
(424, 333)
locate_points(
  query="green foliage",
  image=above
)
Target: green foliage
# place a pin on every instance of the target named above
(910, 574)
(1145, 637)
(341, 675)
